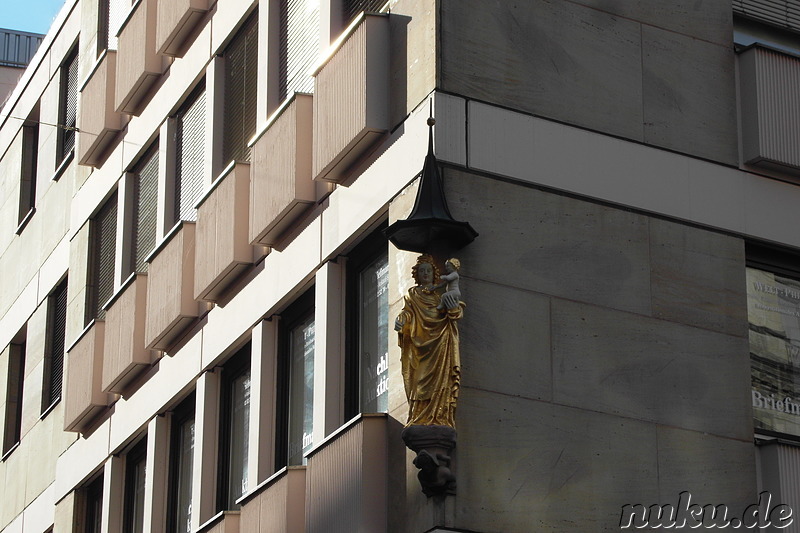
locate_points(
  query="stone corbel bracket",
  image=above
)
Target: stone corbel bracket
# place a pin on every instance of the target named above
(433, 446)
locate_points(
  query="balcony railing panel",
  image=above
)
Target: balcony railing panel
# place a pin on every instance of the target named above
(347, 479)
(83, 396)
(98, 127)
(171, 306)
(278, 506)
(223, 247)
(176, 21)
(351, 99)
(125, 353)
(770, 109)
(281, 185)
(139, 66)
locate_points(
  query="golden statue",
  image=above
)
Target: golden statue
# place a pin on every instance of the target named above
(428, 338)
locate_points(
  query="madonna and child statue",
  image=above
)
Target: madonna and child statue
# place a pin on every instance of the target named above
(427, 330)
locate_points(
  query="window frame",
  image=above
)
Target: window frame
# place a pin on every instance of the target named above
(785, 263)
(235, 144)
(135, 261)
(135, 459)
(28, 168)
(93, 505)
(95, 301)
(369, 250)
(184, 413)
(291, 49)
(67, 125)
(295, 314)
(15, 385)
(182, 177)
(54, 347)
(235, 368)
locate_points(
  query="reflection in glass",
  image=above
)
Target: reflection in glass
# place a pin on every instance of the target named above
(773, 309)
(301, 390)
(183, 490)
(373, 331)
(239, 431)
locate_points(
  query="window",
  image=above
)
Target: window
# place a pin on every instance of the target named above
(111, 14)
(30, 154)
(181, 457)
(234, 429)
(14, 389)
(145, 197)
(68, 106)
(298, 46)
(93, 506)
(296, 382)
(241, 69)
(773, 309)
(103, 239)
(367, 327)
(135, 463)
(351, 8)
(54, 345)
(190, 133)
(779, 13)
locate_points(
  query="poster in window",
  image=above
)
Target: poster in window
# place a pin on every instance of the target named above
(773, 310)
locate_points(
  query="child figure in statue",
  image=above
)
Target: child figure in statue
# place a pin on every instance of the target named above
(452, 294)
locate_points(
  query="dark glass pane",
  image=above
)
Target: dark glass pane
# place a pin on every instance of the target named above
(301, 390)
(185, 457)
(239, 434)
(373, 331)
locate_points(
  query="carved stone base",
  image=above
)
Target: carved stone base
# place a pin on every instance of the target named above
(433, 445)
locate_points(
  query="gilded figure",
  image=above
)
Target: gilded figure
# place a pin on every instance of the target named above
(428, 337)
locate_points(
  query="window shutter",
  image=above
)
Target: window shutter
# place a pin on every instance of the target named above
(191, 135)
(69, 104)
(57, 331)
(299, 45)
(103, 254)
(145, 204)
(27, 186)
(241, 70)
(117, 12)
(783, 13)
(354, 7)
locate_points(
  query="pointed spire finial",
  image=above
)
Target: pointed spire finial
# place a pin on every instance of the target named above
(430, 220)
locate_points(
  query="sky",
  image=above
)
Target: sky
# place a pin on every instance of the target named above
(33, 16)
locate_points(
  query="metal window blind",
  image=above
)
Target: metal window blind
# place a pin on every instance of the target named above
(354, 7)
(14, 392)
(145, 193)
(298, 46)
(190, 155)
(69, 105)
(27, 186)
(783, 13)
(117, 11)
(104, 238)
(241, 69)
(56, 337)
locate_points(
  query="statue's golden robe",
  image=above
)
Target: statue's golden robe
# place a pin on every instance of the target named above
(431, 363)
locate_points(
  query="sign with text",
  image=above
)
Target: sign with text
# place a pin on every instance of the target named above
(773, 310)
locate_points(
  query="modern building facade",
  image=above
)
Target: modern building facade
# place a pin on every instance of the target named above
(16, 50)
(197, 298)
